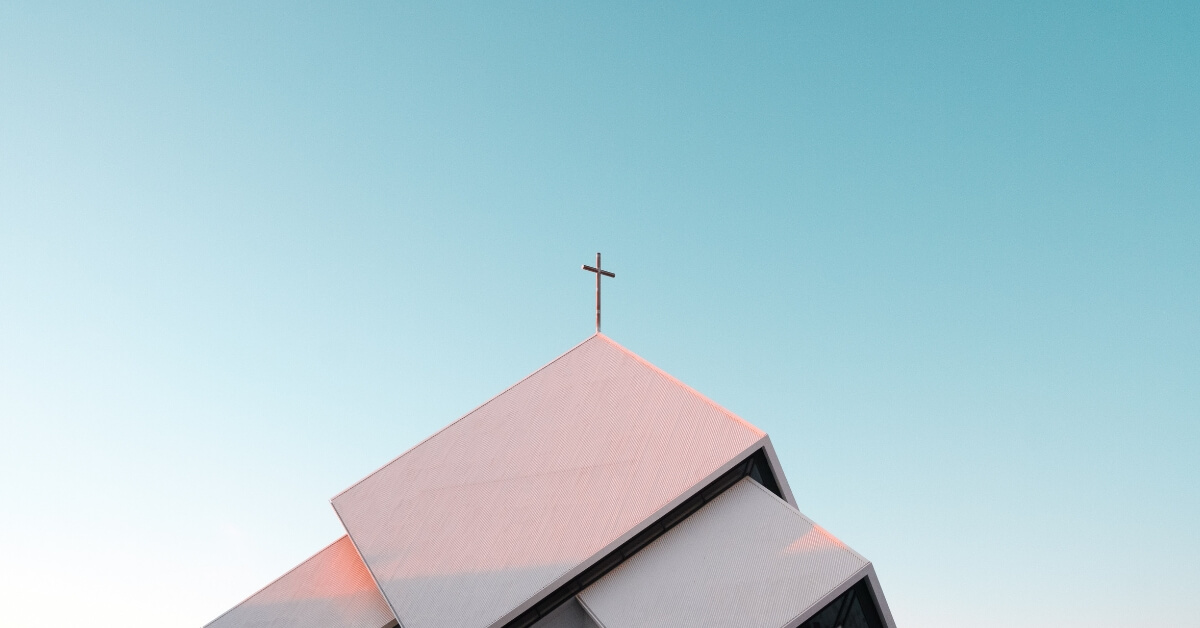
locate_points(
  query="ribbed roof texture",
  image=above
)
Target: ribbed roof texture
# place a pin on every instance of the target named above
(747, 559)
(497, 509)
(330, 590)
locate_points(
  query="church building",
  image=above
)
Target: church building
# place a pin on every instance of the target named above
(598, 492)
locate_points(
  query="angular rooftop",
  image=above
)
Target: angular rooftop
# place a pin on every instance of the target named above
(598, 492)
(471, 526)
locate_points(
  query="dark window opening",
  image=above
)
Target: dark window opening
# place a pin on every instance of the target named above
(760, 471)
(856, 608)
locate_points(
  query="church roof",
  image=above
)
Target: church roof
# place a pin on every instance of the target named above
(474, 525)
(332, 589)
(747, 558)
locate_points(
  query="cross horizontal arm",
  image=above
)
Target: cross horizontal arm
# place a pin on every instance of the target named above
(596, 270)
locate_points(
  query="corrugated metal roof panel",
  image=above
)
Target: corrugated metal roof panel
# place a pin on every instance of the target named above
(330, 590)
(474, 524)
(745, 559)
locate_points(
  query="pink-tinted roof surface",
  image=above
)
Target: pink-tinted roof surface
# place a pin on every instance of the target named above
(481, 520)
(746, 559)
(330, 590)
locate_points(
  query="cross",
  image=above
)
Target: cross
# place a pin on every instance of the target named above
(599, 271)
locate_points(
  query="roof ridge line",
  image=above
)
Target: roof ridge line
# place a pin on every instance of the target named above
(676, 381)
(469, 413)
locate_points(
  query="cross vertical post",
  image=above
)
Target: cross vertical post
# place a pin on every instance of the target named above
(599, 270)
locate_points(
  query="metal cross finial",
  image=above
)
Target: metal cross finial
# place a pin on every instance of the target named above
(599, 271)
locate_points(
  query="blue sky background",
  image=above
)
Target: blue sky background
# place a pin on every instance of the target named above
(947, 256)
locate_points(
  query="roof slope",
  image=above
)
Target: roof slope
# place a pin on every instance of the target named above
(747, 559)
(476, 523)
(330, 590)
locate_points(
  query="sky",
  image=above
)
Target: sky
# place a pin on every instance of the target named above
(946, 255)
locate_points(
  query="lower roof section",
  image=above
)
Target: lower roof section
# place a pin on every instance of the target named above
(747, 559)
(330, 590)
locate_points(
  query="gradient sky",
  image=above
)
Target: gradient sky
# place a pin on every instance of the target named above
(947, 256)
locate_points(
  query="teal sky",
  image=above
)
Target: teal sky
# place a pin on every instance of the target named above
(947, 256)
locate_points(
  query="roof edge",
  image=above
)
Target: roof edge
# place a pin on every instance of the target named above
(814, 523)
(467, 414)
(777, 469)
(682, 385)
(289, 572)
(880, 598)
(595, 335)
(370, 572)
(807, 614)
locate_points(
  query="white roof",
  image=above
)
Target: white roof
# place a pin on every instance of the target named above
(746, 559)
(477, 523)
(330, 590)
